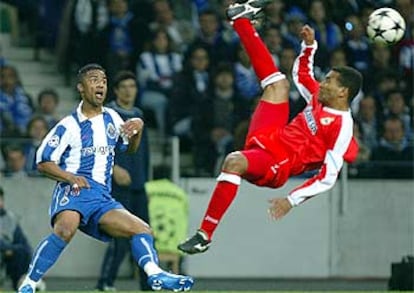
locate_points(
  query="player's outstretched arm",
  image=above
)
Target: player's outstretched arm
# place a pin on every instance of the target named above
(302, 72)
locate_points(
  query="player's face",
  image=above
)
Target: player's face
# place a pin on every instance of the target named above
(126, 91)
(93, 88)
(330, 89)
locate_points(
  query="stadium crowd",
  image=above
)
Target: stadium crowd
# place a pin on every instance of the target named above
(196, 81)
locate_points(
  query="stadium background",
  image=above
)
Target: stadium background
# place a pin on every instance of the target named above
(343, 240)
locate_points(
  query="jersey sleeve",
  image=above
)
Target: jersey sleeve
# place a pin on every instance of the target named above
(339, 138)
(321, 182)
(302, 73)
(122, 142)
(54, 144)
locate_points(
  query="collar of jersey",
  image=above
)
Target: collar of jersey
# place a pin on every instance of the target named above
(81, 116)
(337, 112)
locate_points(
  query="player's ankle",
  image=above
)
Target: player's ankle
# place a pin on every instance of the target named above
(204, 234)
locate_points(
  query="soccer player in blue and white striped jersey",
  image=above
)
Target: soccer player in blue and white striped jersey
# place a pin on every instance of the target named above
(79, 153)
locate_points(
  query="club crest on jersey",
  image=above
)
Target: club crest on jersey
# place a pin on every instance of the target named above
(111, 131)
(310, 120)
(53, 141)
(327, 120)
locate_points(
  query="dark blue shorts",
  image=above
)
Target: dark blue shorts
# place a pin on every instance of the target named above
(91, 203)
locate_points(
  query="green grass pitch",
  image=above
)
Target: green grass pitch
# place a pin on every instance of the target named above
(259, 291)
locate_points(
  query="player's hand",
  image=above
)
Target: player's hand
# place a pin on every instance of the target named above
(77, 183)
(308, 35)
(279, 207)
(121, 176)
(132, 127)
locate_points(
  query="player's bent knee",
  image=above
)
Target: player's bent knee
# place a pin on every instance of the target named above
(66, 224)
(66, 233)
(235, 162)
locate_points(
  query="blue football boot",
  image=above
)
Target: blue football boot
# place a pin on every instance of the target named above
(172, 282)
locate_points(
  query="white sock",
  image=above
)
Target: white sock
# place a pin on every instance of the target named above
(29, 281)
(151, 268)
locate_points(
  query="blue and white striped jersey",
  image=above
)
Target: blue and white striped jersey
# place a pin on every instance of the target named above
(84, 147)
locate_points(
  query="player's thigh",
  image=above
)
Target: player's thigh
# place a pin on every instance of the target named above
(267, 118)
(121, 223)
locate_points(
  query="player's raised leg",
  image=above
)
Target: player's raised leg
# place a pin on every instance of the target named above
(121, 223)
(273, 82)
(276, 90)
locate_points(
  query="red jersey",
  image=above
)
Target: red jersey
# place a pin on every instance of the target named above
(317, 138)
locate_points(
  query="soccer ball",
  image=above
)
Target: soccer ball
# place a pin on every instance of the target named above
(385, 26)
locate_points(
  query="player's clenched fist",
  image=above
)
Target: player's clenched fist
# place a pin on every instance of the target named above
(132, 127)
(308, 35)
(77, 183)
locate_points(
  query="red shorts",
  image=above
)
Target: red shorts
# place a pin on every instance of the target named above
(266, 167)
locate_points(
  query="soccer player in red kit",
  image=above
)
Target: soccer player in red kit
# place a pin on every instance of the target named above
(320, 137)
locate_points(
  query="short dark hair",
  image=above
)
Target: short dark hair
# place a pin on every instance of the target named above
(88, 67)
(349, 78)
(223, 67)
(123, 75)
(49, 92)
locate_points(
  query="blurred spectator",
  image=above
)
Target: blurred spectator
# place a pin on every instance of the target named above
(395, 106)
(86, 40)
(404, 50)
(47, 103)
(27, 16)
(190, 88)
(155, 71)
(364, 152)
(341, 9)
(274, 13)
(124, 38)
(215, 121)
(15, 104)
(15, 250)
(48, 19)
(272, 37)
(336, 58)
(2, 58)
(368, 119)
(15, 162)
(394, 147)
(246, 81)
(295, 19)
(327, 33)
(356, 44)
(211, 37)
(180, 31)
(381, 61)
(385, 81)
(36, 131)
(142, 9)
(228, 34)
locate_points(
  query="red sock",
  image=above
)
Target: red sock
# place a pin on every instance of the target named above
(222, 197)
(257, 51)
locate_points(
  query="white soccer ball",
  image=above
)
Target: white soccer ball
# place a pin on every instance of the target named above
(385, 26)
